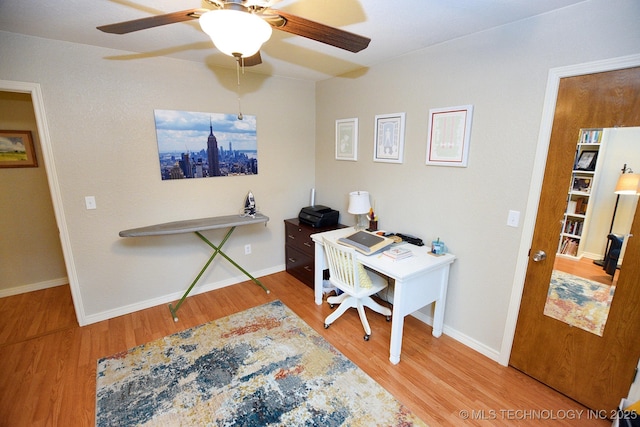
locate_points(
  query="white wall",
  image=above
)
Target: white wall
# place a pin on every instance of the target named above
(101, 123)
(503, 74)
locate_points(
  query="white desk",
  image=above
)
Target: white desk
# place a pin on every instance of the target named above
(419, 281)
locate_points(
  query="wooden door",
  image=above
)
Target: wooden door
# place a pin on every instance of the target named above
(595, 371)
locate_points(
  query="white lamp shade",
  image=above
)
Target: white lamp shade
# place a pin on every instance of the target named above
(235, 32)
(628, 183)
(359, 202)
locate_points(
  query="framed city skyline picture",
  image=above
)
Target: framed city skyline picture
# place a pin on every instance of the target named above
(203, 145)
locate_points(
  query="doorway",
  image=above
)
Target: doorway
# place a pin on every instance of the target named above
(47, 162)
(31, 254)
(594, 370)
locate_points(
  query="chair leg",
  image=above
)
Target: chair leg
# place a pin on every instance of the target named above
(344, 306)
(364, 321)
(373, 305)
(337, 299)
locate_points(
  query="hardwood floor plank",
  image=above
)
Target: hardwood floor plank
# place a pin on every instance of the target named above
(50, 379)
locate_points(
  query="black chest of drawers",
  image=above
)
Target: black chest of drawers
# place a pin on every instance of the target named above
(299, 248)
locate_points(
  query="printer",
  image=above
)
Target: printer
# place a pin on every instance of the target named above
(318, 216)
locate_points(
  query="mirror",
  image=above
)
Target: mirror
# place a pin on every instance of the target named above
(594, 229)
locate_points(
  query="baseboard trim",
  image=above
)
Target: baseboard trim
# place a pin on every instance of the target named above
(33, 287)
(461, 338)
(166, 299)
(446, 330)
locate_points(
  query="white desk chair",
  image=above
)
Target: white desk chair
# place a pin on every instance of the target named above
(356, 283)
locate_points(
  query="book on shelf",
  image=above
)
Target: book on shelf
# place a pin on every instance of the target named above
(569, 246)
(581, 205)
(573, 227)
(590, 136)
(398, 252)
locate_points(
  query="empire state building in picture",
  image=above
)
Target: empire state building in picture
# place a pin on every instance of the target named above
(212, 152)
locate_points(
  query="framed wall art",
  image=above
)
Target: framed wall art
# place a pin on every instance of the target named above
(204, 145)
(448, 136)
(347, 139)
(389, 138)
(17, 149)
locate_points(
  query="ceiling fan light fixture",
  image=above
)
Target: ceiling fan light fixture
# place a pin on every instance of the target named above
(235, 32)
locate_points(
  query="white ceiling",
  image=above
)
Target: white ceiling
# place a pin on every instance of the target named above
(395, 27)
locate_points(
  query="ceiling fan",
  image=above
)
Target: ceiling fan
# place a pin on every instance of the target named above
(238, 28)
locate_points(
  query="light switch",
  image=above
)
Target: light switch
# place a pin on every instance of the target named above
(90, 202)
(513, 220)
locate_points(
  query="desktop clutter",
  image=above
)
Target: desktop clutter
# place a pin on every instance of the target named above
(367, 241)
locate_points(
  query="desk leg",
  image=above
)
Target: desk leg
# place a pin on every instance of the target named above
(397, 326)
(217, 250)
(318, 268)
(438, 311)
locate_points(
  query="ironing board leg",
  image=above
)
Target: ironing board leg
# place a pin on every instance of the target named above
(217, 250)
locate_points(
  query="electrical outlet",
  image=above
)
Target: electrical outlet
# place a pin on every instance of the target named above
(247, 249)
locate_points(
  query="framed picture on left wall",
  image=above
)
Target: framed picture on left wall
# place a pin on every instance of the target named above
(347, 139)
(17, 149)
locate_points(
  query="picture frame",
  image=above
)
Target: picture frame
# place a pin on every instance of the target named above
(389, 138)
(581, 184)
(197, 145)
(448, 136)
(586, 161)
(347, 139)
(17, 149)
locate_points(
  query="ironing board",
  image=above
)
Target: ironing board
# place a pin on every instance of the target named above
(196, 226)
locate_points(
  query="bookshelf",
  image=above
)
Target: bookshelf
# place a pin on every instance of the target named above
(575, 220)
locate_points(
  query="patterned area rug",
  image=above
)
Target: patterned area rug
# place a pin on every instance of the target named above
(579, 302)
(260, 367)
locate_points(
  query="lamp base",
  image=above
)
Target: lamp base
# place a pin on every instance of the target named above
(361, 222)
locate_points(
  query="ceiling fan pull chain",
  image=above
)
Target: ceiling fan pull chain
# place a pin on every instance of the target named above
(240, 117)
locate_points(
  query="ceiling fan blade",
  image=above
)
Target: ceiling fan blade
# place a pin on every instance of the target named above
(252, 60)
(151, 21)
(322, 33)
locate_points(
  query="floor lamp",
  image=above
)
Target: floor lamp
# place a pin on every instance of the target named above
(628, 184)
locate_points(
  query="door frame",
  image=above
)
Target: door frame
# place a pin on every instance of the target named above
(535, 188)
(44, 138)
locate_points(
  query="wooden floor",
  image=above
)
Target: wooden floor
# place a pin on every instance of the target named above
(584, 267)
(48, 363)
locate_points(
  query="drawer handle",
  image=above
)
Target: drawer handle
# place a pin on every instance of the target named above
(307, 244)
(308, 268)
(291, 236)
(292, 260)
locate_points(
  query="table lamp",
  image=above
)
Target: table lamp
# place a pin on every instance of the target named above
(359, 205)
